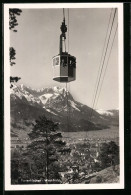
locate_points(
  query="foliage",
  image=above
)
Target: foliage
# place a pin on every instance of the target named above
(12, 55)
(41, 158)
(109, 154)
(12, 18)
(12, 58)
(12, 24)
(15, 156)
(46, 142)
(14, 79)
(44, 128)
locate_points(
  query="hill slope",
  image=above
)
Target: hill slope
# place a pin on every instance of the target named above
(28, 104)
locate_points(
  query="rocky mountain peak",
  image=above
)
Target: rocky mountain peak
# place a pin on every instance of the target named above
(53, 102)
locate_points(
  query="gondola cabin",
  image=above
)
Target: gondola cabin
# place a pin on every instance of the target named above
(64, 68)
(64, 64)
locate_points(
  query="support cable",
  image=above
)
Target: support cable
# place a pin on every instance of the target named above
(67, 108)
(104, 45)
(106, 65)
(103, 62)
(67, 101)
(102, 66)
(65, 44)
(63, 14)
(102, 54)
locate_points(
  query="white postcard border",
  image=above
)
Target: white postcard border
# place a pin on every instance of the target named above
(7, 170)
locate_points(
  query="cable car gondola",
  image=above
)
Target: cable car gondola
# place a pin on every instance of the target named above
(64, 64)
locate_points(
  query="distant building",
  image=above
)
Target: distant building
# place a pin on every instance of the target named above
(18, 143)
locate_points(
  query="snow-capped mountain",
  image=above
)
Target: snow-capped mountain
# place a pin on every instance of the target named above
(108, 112)
(49, 98)
(111, 115)
(28, 104)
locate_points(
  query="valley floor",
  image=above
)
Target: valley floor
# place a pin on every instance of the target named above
(111, 134)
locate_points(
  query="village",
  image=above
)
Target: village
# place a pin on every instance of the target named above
(79, 161)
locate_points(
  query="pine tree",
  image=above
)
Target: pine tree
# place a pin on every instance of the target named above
(45, 147)
(12, 24)
(12, 58)
(12, 18)
(109, 154)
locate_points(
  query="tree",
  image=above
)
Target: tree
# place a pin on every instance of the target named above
(15, 157)
(12, 24)
(12, 58)
(12, 18)
(109, 154)
(45, 147)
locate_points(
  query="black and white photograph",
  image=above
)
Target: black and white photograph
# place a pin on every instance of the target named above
(63, 96)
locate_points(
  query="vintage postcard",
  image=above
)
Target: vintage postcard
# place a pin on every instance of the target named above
(63, 96)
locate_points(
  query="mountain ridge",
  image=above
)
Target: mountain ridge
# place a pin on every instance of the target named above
(27, 104)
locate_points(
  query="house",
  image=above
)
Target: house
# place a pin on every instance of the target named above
(18, 143)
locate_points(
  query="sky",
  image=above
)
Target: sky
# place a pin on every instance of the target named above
(37, 41)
